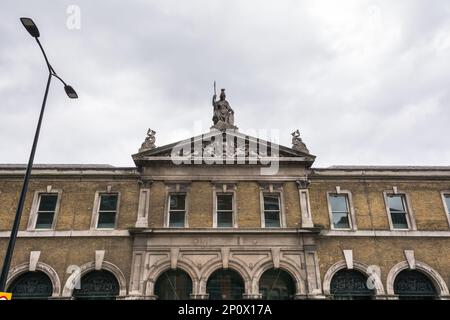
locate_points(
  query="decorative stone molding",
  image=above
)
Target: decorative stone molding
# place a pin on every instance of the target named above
(225, 257)
(363, 268)
(143, 208)
(99, 255)
(90, 266)
(276, 257)
(348, 256)
(40, 266)
(409, 255)
(34, 259)
(433, 275)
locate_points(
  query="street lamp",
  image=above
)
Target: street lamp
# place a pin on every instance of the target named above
(34, 32)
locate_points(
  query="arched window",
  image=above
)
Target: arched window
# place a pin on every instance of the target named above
(413, 284)
(31, 285)
(276, 284)
(225, 285)
(173, 285)
(98, 284)
(350, 284)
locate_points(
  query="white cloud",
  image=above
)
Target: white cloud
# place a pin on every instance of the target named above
(366, 82)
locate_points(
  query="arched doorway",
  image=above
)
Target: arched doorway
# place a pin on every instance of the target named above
(350, 285)
(31, 285)
(225, 285)
(277, 284)
(173, 285)
(99, 285)
(413, 284)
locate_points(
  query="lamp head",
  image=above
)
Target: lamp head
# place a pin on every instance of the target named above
(31, 27)
(70, 92)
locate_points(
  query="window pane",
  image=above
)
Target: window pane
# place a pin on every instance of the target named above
(106, 219)
(177, 201)
(44, 220)
(272, 219)
(224, 202)
(396, 203)
(447, 202)
(340, 220)
(176, 219)
(399, 220)
(271, 203)
(338, 203)
(108, 202)
(48, 202)
(224, 219)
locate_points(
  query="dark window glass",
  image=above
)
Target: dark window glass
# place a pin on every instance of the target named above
(276, 284)
(98, 285)
(350, 285)
(397, 209)
(31, 285)
(177, 210)
(225, 219)
(447, 202)
(271, 202)
(46, 211)
(177, 201)
(48, 202)
(108, 202)
(412, 285)
(173, 285)
(106, 219)
(224, 210)
(176, 219)
(225, 285)
(107, 211)
(339, 211)
(272, 211)
(224, 202)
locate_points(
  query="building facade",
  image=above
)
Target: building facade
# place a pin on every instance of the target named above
(210, 217)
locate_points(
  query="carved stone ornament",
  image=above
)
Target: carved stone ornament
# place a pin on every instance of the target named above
(223, 114)
(303, 183)
(297, 143)
(149, 142)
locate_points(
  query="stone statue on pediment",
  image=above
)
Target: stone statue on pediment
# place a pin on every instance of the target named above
(149, 142)
(223, 114)
(297, 143)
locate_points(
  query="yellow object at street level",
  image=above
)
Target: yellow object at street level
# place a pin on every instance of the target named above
(5, 296)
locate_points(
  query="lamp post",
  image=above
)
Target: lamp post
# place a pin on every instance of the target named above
(34, 32)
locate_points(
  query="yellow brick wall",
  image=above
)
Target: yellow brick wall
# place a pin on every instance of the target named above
(60, 253)
(248, 205)
(385, 252)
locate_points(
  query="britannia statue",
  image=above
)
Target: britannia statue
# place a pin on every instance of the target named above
(223, 114)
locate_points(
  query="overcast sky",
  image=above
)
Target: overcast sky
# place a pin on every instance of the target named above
(366, 82)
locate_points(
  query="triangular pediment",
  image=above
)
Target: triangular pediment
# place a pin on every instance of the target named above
(226, 145)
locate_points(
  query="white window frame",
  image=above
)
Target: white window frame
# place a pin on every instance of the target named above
(351, 210)
(409, 213)
(96, 208)
(35, 207)
(446, 208)
(231, 191)
(270, 189)
(167, 218)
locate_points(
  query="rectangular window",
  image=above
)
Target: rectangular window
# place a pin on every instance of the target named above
(398, 211)
(340, 211)
(224, 210)
(177, 210)
(272, 210)
(46, 211)
(107, 211)
(447, 202)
